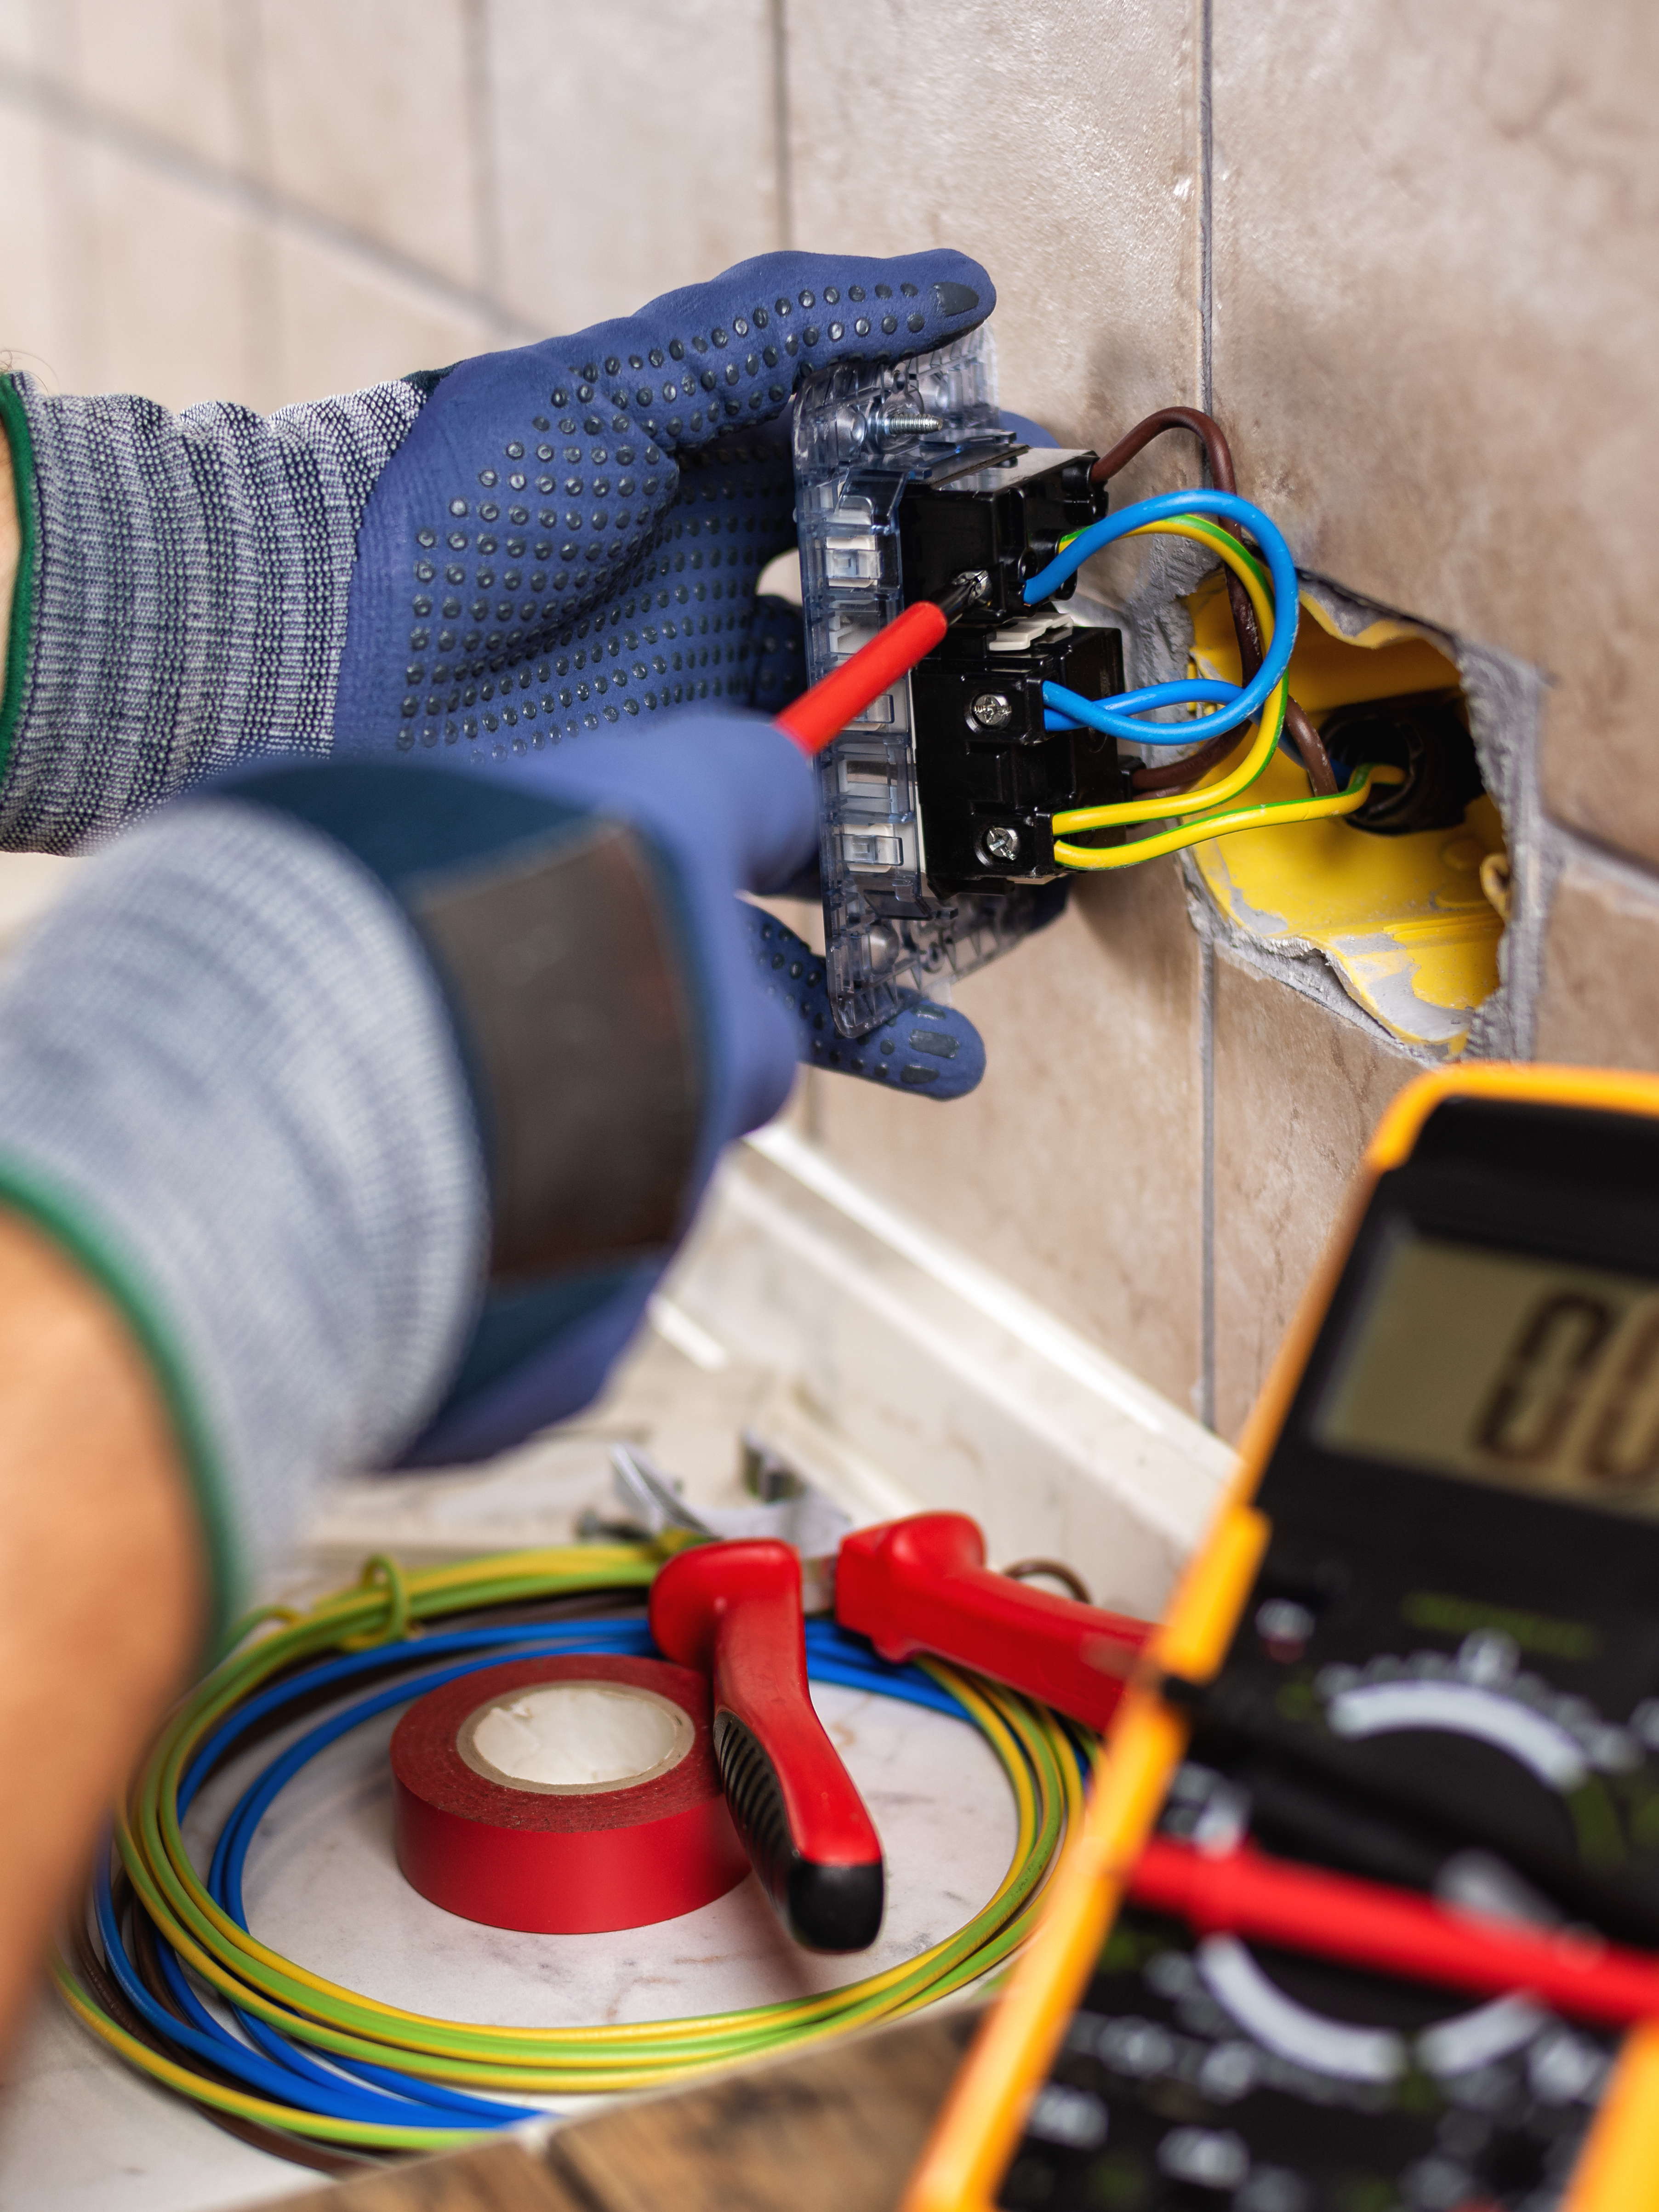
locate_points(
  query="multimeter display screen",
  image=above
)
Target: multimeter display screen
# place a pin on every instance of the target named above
(1502, 1367)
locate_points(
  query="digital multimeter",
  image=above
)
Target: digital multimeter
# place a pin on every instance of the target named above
(1419, 1650)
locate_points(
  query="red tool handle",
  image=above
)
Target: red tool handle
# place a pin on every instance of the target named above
(734, 1611)
(1368, 1924)
(922, 1585)
(823, 712)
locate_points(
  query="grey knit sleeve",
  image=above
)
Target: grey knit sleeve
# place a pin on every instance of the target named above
(230, 1084)
(182, 602)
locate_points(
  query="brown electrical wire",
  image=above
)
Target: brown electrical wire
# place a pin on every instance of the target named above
(298, 2150)
(1179, 775)
(1056, 1570)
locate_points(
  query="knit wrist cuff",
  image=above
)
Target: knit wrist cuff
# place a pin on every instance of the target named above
(14, 429)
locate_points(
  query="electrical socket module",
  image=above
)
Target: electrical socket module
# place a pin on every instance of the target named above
(936, 804)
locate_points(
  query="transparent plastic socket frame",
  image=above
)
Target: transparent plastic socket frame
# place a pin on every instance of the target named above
(862, 434)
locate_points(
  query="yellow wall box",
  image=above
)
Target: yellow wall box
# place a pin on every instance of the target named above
(1403, 920)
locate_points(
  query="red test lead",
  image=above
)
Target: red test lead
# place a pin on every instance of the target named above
(1244, 1891)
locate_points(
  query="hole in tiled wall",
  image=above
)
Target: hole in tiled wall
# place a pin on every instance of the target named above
(1417, 923)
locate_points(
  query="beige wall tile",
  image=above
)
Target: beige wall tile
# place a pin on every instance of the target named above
(17, 31)
(40, 34)
(166, 285)
(368, 112)
(1297, 1093)
(34, 323)
(1074, 1167)
(1057, 145)
(165, 64)
(634, 150)
(345, 322)
(1436, 324)
(1600, 1003)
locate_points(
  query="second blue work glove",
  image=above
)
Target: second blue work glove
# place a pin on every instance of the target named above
(578, 911)
(377, 1095)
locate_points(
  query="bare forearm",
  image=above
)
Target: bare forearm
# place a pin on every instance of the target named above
(103, 1589)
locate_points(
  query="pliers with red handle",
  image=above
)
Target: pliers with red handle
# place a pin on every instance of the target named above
(734, 1611)
(921, 1584)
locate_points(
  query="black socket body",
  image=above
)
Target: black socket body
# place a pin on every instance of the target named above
(1005, 521)
(990, 775)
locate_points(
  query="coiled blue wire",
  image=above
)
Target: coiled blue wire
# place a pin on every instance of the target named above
(276, 2065)
(1237, 703)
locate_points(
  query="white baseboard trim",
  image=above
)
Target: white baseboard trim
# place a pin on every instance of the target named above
(949, 1386)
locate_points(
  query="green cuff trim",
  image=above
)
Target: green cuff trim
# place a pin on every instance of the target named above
(61, 1216)
(15, 427)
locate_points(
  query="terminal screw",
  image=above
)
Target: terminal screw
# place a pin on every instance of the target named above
(1001, 843)
(992, 711)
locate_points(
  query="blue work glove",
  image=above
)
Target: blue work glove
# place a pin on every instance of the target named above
(578, 911)
(927, 1048)
(569, 535)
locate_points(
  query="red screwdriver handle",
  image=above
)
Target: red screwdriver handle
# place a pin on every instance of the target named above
(922, 1584)
(734, 1612)
(823, 712)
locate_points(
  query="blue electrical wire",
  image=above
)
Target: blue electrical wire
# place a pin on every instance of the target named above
(275, 2064)
(550, 1634)
(1070, 710)
(206, 2038)
(1118, 720)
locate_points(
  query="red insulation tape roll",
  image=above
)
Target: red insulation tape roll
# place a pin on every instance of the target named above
(481, 1835)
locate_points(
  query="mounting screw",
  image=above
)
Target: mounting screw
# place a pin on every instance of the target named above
(992, 711)
(1001, 843)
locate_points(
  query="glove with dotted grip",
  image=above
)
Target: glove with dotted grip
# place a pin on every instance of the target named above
(526, 547)
(570, 535)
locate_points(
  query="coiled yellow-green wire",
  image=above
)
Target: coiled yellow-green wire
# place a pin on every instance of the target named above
(1218, 818)
(1033, 1752)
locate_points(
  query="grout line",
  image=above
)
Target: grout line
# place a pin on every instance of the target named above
(1205, 205)
(781, 121)
(74, 115)
(1206, 1405)
(813, 1117)
(1207, 1202)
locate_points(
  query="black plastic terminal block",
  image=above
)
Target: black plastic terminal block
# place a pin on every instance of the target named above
(990, 777)
(990, 774)
(1006, 518)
